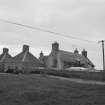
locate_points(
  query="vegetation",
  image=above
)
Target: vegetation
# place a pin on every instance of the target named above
(39, 90)
(99, 76)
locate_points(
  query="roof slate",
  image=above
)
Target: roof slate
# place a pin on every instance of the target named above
(5, 57)
(71, 57)
(26, 57)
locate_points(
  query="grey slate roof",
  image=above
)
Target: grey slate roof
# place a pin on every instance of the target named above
(71, 57)
(26, 57)
(5, 57)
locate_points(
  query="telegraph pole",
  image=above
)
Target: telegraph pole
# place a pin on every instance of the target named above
(102, 41)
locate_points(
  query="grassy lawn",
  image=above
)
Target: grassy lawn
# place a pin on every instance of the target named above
(38, 90)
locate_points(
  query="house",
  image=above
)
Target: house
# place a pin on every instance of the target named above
(59, 59)
(26, 60)
(5, 59)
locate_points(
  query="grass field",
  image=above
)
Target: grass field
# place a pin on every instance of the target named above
(38, 90)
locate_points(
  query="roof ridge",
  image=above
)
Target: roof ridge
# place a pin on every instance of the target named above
(71, 52)
(66, 51)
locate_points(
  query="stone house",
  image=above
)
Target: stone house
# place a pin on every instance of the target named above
(5, 59)
(24, 61)
(59, 59)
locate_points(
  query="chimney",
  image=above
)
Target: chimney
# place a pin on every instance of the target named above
(76, 51)
(25, 48)
(41, 58)
(5, 50)
(84, 53)
(41, 54)
(55, 46)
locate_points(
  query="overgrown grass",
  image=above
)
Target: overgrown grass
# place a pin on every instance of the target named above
(38, 90)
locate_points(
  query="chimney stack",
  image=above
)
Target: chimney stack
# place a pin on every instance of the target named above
(76, 51)
(41, 54)
(25, 48)
(55, 46)
(84, 53)
(5, 50)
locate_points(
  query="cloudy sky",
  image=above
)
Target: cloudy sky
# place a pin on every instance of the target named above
(84, 19)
